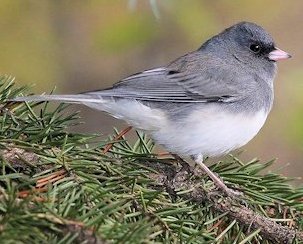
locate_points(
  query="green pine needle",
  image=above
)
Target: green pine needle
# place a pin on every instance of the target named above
(117, 197)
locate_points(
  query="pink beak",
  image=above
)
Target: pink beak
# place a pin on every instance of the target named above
(278, 54)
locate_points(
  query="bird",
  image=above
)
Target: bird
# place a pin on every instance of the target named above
(205, 103)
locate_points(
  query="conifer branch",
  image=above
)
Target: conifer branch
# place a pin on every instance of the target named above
(173, 179)
(57, 186)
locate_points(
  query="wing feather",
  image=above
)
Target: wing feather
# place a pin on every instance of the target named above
(181, 82)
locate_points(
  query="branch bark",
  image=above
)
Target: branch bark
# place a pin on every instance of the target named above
(172, 179)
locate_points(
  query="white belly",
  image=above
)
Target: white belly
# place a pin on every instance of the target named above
(207, 131)
(211, 133)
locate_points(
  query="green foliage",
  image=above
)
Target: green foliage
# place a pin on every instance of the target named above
(293, 125)
(114, 197)
(124, 33)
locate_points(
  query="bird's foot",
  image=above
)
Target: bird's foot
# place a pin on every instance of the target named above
(232, 193)
(185, 165)
(216, 179)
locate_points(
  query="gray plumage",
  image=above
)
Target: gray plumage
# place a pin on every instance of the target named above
(230, 74)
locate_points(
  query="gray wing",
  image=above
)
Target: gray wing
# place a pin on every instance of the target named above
(182, 81)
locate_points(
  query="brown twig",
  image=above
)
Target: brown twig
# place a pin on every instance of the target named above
(52, 178)
(117, 137)
(216, 225)
(27, 193)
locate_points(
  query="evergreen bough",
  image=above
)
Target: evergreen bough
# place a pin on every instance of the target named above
(60, 187)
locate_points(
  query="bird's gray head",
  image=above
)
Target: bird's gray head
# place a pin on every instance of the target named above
(248, 45)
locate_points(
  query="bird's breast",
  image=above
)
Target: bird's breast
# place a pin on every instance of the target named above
(210, 132)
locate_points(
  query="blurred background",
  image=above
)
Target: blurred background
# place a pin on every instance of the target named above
(79, 45)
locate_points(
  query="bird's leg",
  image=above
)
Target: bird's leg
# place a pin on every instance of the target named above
(216, 179)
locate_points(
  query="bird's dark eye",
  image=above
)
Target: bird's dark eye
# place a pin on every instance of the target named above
(256, 48)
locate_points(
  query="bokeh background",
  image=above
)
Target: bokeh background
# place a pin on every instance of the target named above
(80, 45)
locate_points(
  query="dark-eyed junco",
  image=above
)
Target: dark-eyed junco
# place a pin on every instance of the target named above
(205, 103)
